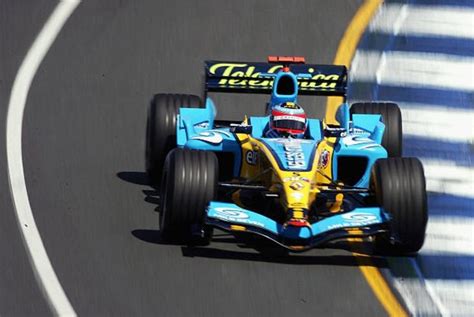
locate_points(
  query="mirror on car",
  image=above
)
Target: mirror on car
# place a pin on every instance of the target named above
(332, 131)
(241, 128)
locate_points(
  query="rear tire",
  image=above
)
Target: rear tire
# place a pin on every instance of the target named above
(161, 129)
(391, 117)
(189, 183)
(399, 185)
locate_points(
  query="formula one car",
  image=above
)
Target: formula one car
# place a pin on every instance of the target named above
(332, 182)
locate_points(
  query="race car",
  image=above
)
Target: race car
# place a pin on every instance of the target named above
(333, 182)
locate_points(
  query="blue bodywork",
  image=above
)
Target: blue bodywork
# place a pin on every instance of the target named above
(225, 215)
(196, 130)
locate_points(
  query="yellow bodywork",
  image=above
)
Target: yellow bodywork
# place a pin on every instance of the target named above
(297, 189)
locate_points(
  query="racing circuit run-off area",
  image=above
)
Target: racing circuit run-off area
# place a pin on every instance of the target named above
(223, 158)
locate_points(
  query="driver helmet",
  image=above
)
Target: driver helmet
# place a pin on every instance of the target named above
(288, 118)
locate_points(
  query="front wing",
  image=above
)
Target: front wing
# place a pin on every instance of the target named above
(230, 217)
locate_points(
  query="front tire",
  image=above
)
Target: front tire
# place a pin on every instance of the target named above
(399, 185)
(189, 183)
(161, 129)
(391, 117)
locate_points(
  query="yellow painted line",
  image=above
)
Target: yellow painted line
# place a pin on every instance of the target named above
(379, 286)
(376, 281)
(344, 55)
(382, 292)
(347, 47)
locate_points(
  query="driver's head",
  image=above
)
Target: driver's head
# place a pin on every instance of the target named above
(288, 118)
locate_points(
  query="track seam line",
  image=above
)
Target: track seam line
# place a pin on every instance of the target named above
(41, 265)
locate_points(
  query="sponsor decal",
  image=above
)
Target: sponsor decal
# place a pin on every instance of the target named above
(294, 155)
(231, 213)
(202, 125)
(360, 217)
(355, 220)
(338, 225)
(212, 136)
(290, 105)
(293, 141)
(294, 118)
(324, 159)
(235, 215)
(359, 131)
(370, 146)
(296, 185)
(251, 157)
(236, 70)
(296, 178)
(354, 140)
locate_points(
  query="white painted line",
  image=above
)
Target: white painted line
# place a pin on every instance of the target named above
(44, 272)
(438, 21)
(457, 296)
(366, 65)
(450, 236)
(440, 123)
(413, 290)
(433, 294)
(448, 178)
(413, 69)
(389, 19)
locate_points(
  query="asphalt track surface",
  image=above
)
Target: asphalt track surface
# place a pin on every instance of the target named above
(83, 148)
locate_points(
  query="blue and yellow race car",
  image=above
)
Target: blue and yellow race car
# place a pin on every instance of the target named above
(301, 186)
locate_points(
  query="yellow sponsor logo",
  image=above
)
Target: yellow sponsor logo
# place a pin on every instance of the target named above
(241, 74)
(237, 228)
(290, 105)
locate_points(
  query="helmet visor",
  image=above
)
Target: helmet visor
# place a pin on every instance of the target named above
(292, 124)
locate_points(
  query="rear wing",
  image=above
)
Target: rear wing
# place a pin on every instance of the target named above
(243, 77)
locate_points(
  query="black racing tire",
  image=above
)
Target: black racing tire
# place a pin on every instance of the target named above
(189, 183)
(161, 129)
(391, 117)
(400, 188)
